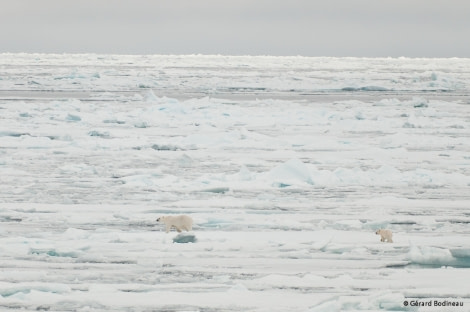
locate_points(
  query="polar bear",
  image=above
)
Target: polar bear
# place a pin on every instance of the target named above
(181, 222)
(385, 235)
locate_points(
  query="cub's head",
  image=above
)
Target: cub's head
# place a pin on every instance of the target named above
(161, 219)
(378, 232)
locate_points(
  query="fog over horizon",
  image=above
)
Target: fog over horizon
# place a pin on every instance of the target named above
(362, 28)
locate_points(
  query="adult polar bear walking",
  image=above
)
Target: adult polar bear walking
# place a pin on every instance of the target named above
(181, 222)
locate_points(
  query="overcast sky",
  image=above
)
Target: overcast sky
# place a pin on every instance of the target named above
(414, 28)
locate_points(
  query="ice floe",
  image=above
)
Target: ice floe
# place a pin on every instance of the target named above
(288, 166)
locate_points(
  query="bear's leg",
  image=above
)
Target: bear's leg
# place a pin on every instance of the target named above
(178, 229)
(167, 228)
(382, 239)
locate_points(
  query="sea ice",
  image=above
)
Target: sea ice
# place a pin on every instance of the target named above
(288, 166)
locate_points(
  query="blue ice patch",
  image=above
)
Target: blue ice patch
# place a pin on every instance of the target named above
(184, 238)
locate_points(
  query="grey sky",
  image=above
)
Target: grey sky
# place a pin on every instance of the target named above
(414, 28)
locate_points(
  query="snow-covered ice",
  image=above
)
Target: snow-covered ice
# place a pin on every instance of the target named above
(288, 166)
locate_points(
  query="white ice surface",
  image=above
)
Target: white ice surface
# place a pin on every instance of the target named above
(288, 165)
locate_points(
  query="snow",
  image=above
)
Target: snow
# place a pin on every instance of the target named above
(288, 166)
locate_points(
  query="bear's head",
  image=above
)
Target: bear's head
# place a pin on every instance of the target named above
(161, 219)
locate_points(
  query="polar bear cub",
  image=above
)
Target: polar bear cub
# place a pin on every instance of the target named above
(181, 222)
(385, 235)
